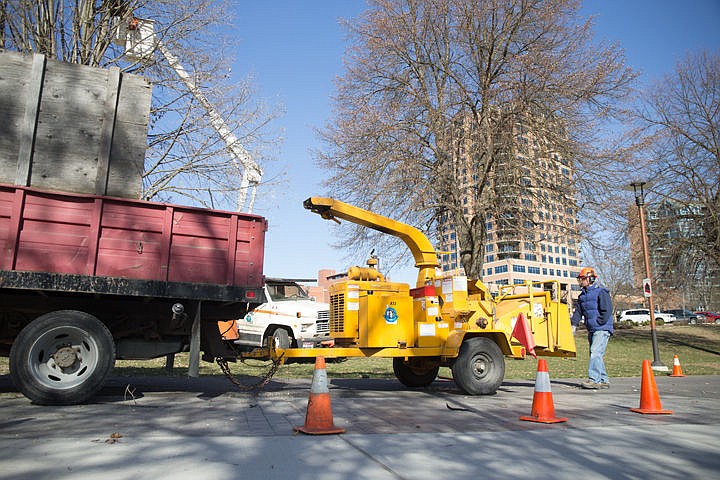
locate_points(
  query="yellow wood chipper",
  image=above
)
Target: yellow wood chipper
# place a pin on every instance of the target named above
(447, 321)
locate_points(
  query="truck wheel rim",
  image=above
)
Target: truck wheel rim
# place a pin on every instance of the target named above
(63, 357)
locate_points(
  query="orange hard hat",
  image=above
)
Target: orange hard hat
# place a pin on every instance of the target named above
(587, 272)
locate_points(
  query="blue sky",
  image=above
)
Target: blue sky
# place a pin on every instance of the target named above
(295, 49)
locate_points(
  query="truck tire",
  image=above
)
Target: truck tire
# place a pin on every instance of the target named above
(416, 372)
(282, 339)
(480, 366)
(62, 358)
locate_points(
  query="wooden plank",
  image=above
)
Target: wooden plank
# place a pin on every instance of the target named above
(69, 129)
(106, 133)
(127, 163)
(28, 127)
(130, 138)
(14, 82)
(60, 144)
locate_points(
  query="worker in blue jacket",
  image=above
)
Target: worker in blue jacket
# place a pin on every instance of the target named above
(595, 307)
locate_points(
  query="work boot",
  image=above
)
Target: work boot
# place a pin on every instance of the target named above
(604, 385)
(590, 385)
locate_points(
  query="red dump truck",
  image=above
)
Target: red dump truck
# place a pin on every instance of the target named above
(88, 279)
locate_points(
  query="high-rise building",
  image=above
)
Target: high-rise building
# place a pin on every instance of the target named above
(530, 211)
(683, 275)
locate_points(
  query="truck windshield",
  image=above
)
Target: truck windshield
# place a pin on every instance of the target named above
(287, 291)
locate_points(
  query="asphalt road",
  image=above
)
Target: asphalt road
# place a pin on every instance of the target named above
(179, 428)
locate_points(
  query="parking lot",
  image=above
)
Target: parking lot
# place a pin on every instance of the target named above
(175, 427)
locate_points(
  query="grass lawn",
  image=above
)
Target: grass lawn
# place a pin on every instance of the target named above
(697, 347)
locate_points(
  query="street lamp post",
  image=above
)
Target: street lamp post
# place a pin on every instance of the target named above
(640, 202)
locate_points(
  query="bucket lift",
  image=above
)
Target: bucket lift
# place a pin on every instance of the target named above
(138, 37)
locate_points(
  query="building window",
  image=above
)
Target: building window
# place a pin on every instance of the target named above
(519, 268)
(518, 281)
(501, 269)
(531, 256)
(535, 270)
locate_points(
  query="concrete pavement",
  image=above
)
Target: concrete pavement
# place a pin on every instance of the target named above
(173, 427)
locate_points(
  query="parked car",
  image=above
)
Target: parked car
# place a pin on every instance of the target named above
(686, 316)
(709, 317)
(642, 315)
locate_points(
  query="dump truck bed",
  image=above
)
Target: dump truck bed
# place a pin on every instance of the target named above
(97, 244)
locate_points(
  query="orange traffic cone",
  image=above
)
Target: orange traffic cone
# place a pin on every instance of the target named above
(319, 418)
(543, 410)
(677, 371)
(649, 397)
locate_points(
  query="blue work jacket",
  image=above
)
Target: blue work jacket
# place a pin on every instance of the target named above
(595, 306)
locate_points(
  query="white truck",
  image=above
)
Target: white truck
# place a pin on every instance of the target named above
(289, 317)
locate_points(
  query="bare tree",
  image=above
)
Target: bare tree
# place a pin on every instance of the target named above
(186, 159)
(419, 71)
(615, 273)
(680, 120)
(677, 136)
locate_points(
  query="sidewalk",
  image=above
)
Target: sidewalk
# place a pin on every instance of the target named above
(180, 428)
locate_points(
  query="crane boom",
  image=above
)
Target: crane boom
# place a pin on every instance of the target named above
(140, 42)
(252, 173)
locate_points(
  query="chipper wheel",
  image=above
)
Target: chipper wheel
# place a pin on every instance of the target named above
(480, 366)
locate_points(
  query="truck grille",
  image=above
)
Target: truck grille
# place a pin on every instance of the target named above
(322, 326)
(337, 309)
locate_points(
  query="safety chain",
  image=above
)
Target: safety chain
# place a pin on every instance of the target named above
(247, 388)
